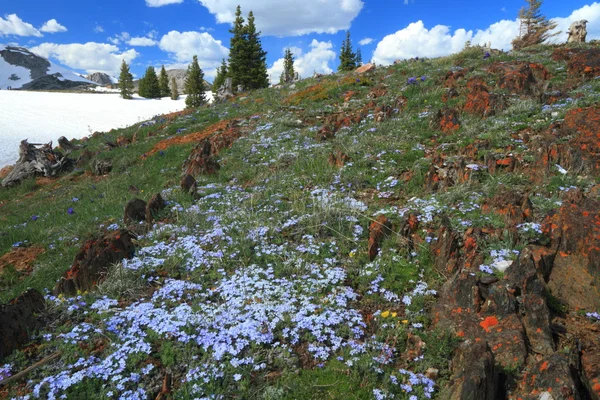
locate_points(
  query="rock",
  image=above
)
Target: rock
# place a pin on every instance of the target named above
(155, 205)
(480, 101)
(101, 167)
(225, 92)
(84, 158)
(93, 261)
(37, 159)
(100, 78)
(189, 184)
(378, 230)
(18, 320)
(582, 64)
(519, 78)
(240, 88)
(66, 146)
(450, 93)
(363, 69)
(201, 160)
(474, 374)
(446, 120)
(577, 32)
(135, 211)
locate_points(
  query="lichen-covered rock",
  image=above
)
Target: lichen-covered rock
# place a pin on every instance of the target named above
(480, 101)
(18, 320)
(446, 120)
(93, 261)
(201, 161)
(378, 230)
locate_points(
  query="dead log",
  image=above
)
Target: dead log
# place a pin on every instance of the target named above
(37, 159)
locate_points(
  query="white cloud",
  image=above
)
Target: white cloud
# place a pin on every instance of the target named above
(119, 38)
(415, 40)
(98, 29)
(160, 3)
(366, 41)
(13, 25)
(142, 41)
(290, 17)
(91, 56)
(52, 26)
(182, 46)
(316, 60)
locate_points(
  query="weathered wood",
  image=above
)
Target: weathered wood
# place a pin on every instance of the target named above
(36, 159)
(27, 370)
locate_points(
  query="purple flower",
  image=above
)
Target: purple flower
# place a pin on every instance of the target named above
(487, 55)
(34, 217)
(161, 153)
(412, 80)
(70, 211)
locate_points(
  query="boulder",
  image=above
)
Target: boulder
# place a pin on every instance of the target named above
(201, 160)
(155, 205)
(135, 211)
(102, 167)
(18, 320)
(92, 262)
(363, 69)
(577, 32)
(189, 184)
(446, 120)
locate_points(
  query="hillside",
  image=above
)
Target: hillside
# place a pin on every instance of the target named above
(21, 69)
(423, 230)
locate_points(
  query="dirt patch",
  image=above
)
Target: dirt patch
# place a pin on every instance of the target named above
(21, 258)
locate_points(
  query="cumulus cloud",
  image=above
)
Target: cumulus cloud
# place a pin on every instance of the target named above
(52, 26)
(316, 60)
(91, 56)
(160, 3)
(366, 41)
(119, 38)
(290, 17)
(417, 41)
(142, 41)
(182, 46)
(11, 24)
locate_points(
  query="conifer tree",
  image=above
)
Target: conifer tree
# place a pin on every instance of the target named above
(237, 49)
(359, 60)
(194, 85)
(126, 82)
(174, 89)
(347, 56)
(163, 83)
(220, 78)
(149, 86)
(256, 76)
(535, 27)
(288, 73)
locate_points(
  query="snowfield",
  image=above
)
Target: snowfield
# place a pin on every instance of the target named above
(44, 116)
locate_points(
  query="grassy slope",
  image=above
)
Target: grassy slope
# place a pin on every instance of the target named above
(276, 167)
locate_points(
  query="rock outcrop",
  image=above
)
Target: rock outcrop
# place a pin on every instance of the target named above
(18, 320)
(101, 78)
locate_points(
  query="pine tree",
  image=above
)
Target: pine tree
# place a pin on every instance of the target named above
(174, 89)
(535, 28)
(347, 56)
(359, 60)
(194, 85)
(163, 83)
(237, 49)
(220, 78)
(288, 73)
(149, 86)
(126, 82)
(256, 76)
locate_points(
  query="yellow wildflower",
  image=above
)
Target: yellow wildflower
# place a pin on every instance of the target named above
(385, 314)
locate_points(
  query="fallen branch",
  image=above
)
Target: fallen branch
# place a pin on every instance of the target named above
(26, 371)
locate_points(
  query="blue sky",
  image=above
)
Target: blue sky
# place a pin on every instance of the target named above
(96, 37)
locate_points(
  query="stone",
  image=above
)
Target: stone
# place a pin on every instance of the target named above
(18, 320)
(201, 160)
(225, 92)
(102, 167)
(363, 69)
(93, 260)
(155, 205)
(446, 120)
(66, 146)
(84, 158)
(378, 230)
(577, 32)
(135, 211)
(480, 101)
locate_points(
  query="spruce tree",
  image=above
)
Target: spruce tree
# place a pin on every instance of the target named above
(163, 83)
(535, 27)
(359, 60)
(256, 75)
(288, 73)
(194, 85)
(220, 78)
(149, 86)
(126, 82)
(174, 89)
(347, 56)
(237, 49)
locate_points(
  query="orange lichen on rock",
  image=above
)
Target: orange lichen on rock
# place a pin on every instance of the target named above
(21, 258)
(488, 323)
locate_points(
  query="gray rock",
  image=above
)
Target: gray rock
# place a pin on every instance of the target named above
(100, 78)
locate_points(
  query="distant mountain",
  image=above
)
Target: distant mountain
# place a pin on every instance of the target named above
(102, 79)
(21, 69)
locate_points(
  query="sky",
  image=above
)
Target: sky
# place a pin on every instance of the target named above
(96, 36)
